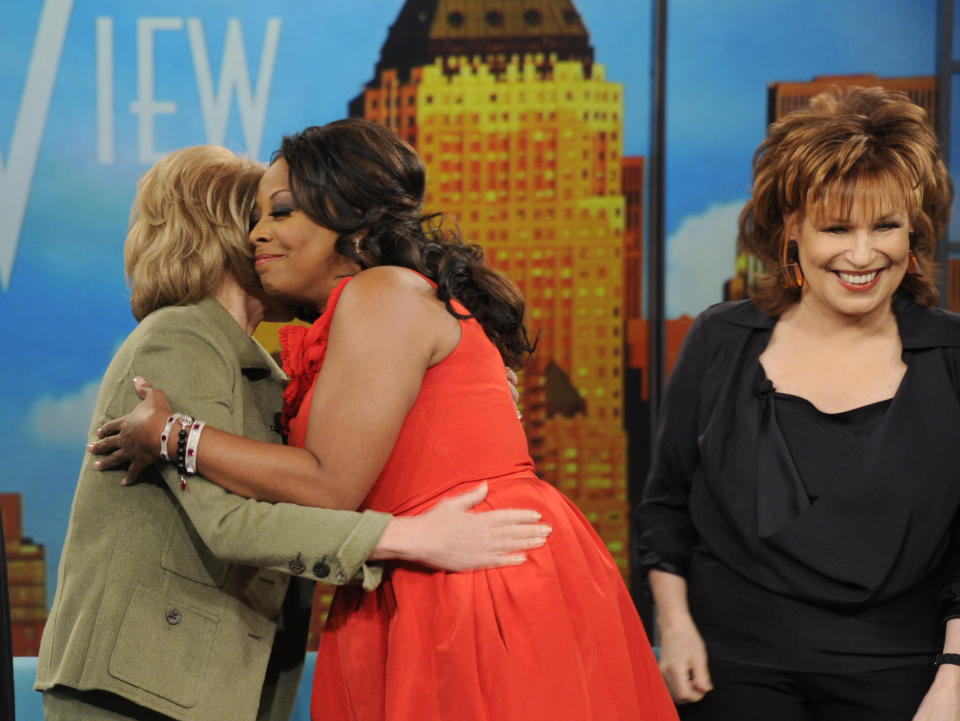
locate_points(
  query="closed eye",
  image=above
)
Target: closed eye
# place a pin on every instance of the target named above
(281, 211)
(892, 225)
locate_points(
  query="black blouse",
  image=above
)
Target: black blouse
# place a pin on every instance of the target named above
(804, 551)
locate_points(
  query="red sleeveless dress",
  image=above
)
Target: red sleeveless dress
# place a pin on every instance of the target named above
(554, 639)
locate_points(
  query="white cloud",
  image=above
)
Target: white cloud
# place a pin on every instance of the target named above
(64, 420)
(700, 257)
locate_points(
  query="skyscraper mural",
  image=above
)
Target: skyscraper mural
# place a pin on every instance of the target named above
(522, 135)
(532, 116)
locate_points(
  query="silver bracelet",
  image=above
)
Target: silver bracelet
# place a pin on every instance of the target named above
(193, 440)
(173, 418)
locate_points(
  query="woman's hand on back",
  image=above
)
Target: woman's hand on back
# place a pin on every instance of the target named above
(133, 439)
(452, 537)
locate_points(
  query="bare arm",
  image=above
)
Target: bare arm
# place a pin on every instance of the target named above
(387, 330)
(683, 655)
(942, 701)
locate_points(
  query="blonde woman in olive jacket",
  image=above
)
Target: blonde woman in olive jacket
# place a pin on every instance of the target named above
(175, 600)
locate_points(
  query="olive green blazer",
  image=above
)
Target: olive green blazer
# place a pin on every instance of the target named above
(171, 598)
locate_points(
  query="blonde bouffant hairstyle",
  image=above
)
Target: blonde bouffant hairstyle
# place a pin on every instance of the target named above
(849, 146)
(189, 226)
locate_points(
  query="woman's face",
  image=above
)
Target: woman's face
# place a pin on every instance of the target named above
(295, 256)
(852, 266)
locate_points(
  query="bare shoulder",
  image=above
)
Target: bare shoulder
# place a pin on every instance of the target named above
(397, 305)
(389, 286)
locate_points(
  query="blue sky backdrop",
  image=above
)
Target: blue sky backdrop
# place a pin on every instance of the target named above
(66, 308)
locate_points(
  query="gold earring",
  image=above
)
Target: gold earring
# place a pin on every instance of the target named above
(792, 272)
(913, 265)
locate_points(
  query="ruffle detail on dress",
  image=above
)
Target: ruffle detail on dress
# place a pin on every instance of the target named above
(302, 351)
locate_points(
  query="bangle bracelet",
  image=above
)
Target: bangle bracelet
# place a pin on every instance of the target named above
(193, 440)
(166, 434)
(952, 659)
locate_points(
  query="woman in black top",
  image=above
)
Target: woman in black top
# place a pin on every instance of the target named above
(798, 522)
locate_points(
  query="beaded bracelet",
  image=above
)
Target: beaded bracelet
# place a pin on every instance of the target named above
(185, 423)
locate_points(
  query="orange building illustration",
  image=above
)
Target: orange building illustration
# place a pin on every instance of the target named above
(785, 97)
(26, 574)
(522, 135)
(635, 329)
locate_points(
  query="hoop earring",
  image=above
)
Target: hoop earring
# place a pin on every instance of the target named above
(356, 245)
(913, 265)
(791, 273)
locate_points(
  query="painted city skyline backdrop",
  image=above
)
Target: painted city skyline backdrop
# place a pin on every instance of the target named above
(130, 82)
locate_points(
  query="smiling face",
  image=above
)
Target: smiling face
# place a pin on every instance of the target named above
(853, 260)
(295, 257)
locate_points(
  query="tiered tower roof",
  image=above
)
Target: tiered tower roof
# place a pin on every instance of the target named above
(492, 30)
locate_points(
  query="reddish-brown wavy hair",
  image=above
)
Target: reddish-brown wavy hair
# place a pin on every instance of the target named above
(851, 145)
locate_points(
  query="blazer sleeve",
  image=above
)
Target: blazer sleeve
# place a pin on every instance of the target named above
(663, 529)
(329, 545)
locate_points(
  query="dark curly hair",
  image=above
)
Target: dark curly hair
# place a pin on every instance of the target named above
(816, 158)
(362, 181)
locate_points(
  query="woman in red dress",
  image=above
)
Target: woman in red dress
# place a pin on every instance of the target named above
(397, 399)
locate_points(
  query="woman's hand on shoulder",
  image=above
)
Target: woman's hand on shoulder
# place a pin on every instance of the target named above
(942, 700)
(133, 439)
(683, 660)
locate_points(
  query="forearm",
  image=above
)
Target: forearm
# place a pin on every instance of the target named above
(670, 596)
(950, 673)
(269, 471)
(272, 536)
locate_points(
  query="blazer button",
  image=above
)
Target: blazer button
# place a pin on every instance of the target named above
(174, 616)
(321, 570)
(297, 567)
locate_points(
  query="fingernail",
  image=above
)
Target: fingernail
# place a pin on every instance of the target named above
(97, 465)
(90, 447)
(138, 379)
(520, 558)
(124, 482)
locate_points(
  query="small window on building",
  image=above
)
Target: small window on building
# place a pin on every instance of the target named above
(494, 18)
(532, 17)
(455, 19)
